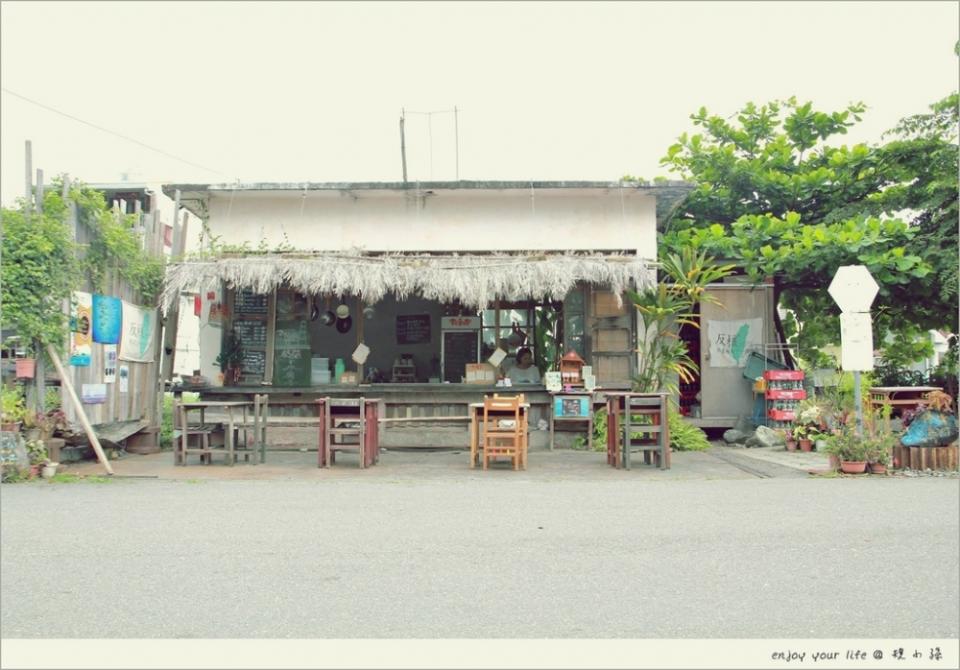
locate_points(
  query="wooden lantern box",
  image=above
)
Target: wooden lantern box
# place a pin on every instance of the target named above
(571, 369)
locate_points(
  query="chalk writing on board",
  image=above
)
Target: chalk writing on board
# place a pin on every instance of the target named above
(248, 302)
(251, 333)
(459, 348)
(413, 329)
(254, 362)
(291, 363)
(573, 407)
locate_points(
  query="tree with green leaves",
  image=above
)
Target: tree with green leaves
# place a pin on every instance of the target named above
(773, 196)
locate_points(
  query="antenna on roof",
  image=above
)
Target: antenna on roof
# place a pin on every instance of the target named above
(403, 147)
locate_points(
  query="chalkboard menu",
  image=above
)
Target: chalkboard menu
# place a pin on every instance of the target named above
(254, 362)
(248, 302)
(291, 362)
(251, 333)
(459, 348)
(413, 329)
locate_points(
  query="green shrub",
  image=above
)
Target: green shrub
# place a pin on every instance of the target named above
(685, 436)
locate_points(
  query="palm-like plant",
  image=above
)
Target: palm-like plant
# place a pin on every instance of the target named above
(662, 310)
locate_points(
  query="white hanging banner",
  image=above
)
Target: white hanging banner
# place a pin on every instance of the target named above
(732, 341)
(139, 329)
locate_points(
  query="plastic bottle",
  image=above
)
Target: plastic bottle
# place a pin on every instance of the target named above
(338, 369)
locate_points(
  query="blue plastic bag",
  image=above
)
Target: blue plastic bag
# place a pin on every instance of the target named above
(931, 429)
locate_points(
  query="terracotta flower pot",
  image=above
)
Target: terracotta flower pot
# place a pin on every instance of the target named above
(853, 467)
(791, 445)
(26, 367)
(878, 469)
(806, 445)
(834, 462)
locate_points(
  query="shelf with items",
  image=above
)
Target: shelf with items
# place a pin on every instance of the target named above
(783, 391)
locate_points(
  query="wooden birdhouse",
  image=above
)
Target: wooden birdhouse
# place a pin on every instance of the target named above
(571, 369)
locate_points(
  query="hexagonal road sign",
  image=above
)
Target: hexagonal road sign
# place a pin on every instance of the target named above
(853, 288)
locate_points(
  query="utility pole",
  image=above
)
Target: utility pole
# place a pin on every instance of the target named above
(403, 146)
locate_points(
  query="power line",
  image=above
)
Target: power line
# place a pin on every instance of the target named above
(111, 132)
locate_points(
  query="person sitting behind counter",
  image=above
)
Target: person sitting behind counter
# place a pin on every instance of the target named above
(524, 371)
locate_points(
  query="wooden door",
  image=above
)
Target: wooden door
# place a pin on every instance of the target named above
(612, 339)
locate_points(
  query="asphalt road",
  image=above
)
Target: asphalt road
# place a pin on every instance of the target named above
(498, 557)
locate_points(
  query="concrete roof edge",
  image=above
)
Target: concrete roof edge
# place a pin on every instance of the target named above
(169, 189)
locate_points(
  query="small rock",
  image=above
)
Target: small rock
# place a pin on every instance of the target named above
(752, 441)
(768, 437)
(734, 435)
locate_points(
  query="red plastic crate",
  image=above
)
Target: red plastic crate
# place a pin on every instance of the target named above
(783, 375)
(787, 394)
(782, 415)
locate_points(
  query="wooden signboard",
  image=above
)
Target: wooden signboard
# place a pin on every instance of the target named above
(291, 362)
(413, 329)
(458, 349)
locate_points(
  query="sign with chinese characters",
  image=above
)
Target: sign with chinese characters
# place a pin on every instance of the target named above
(413, 328)
(139, 326)
(109, 363)
(460, 323)
(732, 341)
(81, 317)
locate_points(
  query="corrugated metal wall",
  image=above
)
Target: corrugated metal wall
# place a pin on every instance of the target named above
(139, 401)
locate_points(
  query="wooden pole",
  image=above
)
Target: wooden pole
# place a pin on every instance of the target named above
(28, 193)
(173, 316)
(88, 429)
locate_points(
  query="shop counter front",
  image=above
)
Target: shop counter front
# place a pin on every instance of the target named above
(411, 415)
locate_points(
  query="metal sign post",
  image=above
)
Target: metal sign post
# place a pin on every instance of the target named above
(854, 289)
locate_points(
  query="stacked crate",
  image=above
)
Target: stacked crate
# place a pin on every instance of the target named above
(784, 391)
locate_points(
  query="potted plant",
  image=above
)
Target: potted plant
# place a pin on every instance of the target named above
(801, 433)
(849, 449)
(49, 468)
(788, 439)
(11, 408)
(878, 453)
(230, 358)
(37, 453)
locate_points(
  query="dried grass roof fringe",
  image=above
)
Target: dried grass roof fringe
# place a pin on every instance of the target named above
(472, 279)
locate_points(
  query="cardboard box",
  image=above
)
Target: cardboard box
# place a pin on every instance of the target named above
(481, 373)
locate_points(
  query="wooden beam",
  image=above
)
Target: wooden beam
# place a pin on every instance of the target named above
(88, 429)
(173, 316)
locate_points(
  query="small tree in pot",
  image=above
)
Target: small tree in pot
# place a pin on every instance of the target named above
(230, 358)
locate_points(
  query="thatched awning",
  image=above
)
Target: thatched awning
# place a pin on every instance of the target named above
(474, 280)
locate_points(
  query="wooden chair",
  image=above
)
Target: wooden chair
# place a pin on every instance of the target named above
(653, 439)
(345, 417)
(504, 430)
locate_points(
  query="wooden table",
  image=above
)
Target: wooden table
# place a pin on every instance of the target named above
(616, 402)
(204, 430)
(899, 397)
(475, 409)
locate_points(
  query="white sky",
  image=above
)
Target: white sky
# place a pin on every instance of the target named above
(313, 92)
